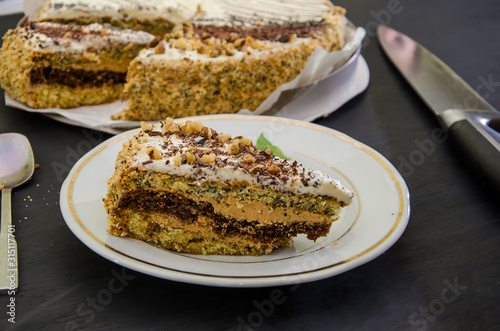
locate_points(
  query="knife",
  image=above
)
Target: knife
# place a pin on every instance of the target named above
(469, 120)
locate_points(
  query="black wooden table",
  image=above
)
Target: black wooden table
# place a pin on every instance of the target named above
(443, 273)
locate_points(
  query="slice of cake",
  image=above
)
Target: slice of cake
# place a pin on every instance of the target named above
(191, 189)
(223, 64)
(46, 65)
(153, 16)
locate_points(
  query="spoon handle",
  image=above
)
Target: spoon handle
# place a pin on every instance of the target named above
(8, 248)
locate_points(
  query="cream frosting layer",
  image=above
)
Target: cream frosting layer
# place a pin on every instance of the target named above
(58, 38)
(173, 54)
(174, 11)
(180, 11)
(293, 177)
(264, 11)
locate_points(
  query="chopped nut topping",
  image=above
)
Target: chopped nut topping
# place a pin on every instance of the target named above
(186, 128)
(177, 159)
(224, 137)
(153, 153)
(169, 121)
(209, 158)
(247, 141)
(256, 169)
(164, 129)
(248, 158)
(190, 127)
(146, 126)
(233, 149)
(203, 147)
(197, 126)
(217, 41)
(214, 53)
(160, 48)
(169, 126)
(273, 170)
(174, 127)
(206, 132)
(190, 157)
(239, 43)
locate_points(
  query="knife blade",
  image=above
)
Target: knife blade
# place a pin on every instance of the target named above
(469, 120)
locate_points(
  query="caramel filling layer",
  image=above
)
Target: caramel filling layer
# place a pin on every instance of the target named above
(253, 220)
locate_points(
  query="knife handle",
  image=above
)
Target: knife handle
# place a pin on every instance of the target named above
(481, 148)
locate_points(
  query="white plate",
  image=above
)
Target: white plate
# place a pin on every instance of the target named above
(367, 228)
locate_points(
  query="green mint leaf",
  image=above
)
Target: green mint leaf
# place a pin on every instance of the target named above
(262, 143)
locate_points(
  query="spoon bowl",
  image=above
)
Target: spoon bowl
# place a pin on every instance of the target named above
(16, 167)
(16, 160)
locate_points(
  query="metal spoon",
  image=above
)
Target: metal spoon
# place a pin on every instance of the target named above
(16, 167)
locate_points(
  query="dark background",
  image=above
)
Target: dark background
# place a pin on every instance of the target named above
(452, 240)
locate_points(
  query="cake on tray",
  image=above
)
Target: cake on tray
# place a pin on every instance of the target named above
(220, 64)
(47, 65)
(191, 189)
(198, 56)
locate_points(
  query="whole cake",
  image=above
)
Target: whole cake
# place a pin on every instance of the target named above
(222, 65)
(191, 189)
(46, 65)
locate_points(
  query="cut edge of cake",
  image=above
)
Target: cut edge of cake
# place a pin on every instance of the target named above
(211, 66)
(52, 65)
